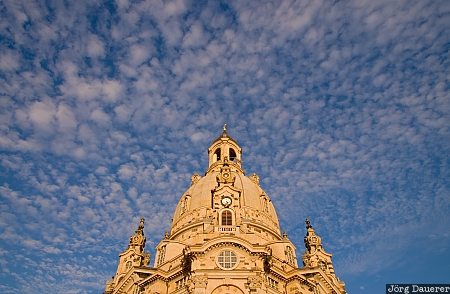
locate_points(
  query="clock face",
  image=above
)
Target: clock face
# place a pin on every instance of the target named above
(226, 201)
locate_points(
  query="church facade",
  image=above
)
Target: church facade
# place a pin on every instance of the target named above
(225, 238)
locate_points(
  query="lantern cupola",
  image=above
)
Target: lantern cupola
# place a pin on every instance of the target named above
(224, 151)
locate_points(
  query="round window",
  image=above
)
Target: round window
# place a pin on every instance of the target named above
(227, 259)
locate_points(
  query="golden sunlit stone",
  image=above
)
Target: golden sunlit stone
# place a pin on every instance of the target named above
(225, 238)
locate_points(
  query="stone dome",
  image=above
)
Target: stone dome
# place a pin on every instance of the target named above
(225, 198)
(225, 238)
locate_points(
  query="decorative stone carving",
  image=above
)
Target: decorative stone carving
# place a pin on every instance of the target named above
(200, 281)
(195, 178)
(310, 260)
(315, 256)
(146, 259)
(267, 262)
(312, 241)
(255, 282)
(197, 284)
(225, 176)
(255, 178)
(186, 262)
(138, 238)
(189, 258)
(190, 286)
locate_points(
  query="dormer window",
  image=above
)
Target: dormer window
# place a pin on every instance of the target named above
(265, 205)
(185, 204)
(232, 154)
(216, 156)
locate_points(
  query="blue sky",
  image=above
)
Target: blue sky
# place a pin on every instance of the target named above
(107, 108)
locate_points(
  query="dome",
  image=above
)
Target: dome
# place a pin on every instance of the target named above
(225, 238)
(225, 199)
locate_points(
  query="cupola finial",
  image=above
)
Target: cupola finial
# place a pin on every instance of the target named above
(138, 238)
(224, 151)
(308, 223)
(312, 241)
(141, 224)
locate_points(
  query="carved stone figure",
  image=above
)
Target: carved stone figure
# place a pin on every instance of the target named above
(254, 282)
(225, 238)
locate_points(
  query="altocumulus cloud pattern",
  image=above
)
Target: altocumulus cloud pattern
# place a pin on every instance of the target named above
(107, 107)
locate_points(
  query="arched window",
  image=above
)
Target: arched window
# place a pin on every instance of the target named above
(290, 255)
(216, 156)
(184, 204)
(232, 154)
(266, 205)
(162, 255)
(227, 218)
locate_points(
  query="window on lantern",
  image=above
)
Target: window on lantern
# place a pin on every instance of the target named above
(217, 155)
(232, 154)
(227, 218)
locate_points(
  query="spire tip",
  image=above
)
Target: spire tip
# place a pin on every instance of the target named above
(308, 223)
(141, 223)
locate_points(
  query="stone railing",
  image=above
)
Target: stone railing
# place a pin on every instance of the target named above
(227, 229)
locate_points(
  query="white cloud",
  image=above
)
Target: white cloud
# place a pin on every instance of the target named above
(107, 111)
(194, 37)
(175, 7)
(138, 54)
(66, 119)
(100, 117)
(112, 89)
(101, 170)
(123, 113)
(126, 172)
(42, 115)
(95, 47)
(9, 60)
